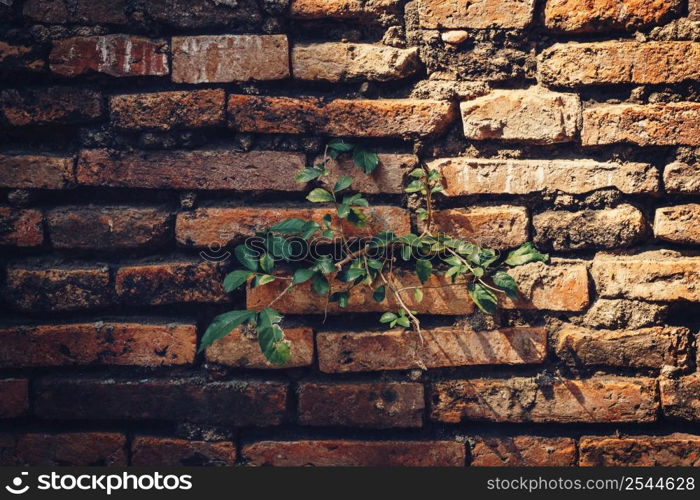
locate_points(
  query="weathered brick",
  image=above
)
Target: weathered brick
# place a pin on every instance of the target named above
(679, 397)
(241, 351)
(18, 59)
(339, 117)
(224, 169)
(375, 405)
(36, 171)
(207, 14)
(679, 224)
(78, 11)
(669, 124)
(15, 397)
(57, 289)
(50, 105)
(171, 452)
(619, 227)
(21, 228)
(439, 348)
(107, 227)
(583, 16)
(227, 225)
(234, 402)
(74, 449)
(559, 286)
(523, 451)
(336, 453)
(476, 14)
(682, 178)
(387, 178)
(622, 314)
(498, 227)
(101, 343)
(114, 55)
(337, 62)
(449, 90)
(694, 10)
(533, 115)
(170, 283)
(645, 348)
(598, 63)
(673, 450)
(654, 276)
(467, 176)
(595, 400)
(230, 58)
(365, 10)
(168, 110)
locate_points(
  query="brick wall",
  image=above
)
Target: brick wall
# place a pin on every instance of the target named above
(137, 137)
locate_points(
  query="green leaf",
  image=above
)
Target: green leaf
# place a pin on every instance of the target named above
(525, 254)
(302, 275)
(350, 274)
(309, 174)
(403, 321)
(357, 217)
(279, 247)
(310, 229)
(319, 195)
(289, 226)
(414, 187)
(418, 295)
(271, 339)
(388, 317)
(478, 272)
(267, 263)
(235, 279)
(247, 257)
(263, 279)
(382, 239)
(343, 183)
(505, 282)
(325, 264)
(356, 200)
(343, 210)
(366, 160)
(222, 325)
(340, 146)
(342, 298)
(375, 264)
(327, 220)
(379, 294)
(424, 268)
(484, 298)
(417, 173)
(320, 284)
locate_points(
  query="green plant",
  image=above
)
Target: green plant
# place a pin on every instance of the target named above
(371, 262)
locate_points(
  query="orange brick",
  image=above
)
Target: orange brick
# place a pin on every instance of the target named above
(499, 227)
(523, 451)
(480, 14)
(673, 450)
(679, 397)
(583, 16)
(50, 105)
(678, 224)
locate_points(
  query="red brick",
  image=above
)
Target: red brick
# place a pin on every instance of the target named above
(227, 225)
(375, 405)
(170, 452)
(68, 449)
(15, 397)
(234, 402)
(170, 283)
(679, 397)
(558, 286)
(336, 453)
(385, 11)
(111, 227)
(388, 177)
(584, 16)
(225, 169)
(476, 14)
(241, 351)
(100, 343)
(673, 450)
(499, 227)
(205, 14)
(51, 105)
(230, 58)
(21, 228)
(78, 11)
(595, 400)
(678, 224)
(340, 117)
(523, 451)
(57, 289)
(114, 55)
(36, 171)
(168, 110)
(439, 348)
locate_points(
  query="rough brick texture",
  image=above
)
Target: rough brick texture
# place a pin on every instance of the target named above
(168, 452)
(36, 171)
(674, 450)
(21, 228)
(15, 397)
(581, 16)
(53, 105)
(72, 449)
(522, 451)
(476, 14)
(679, 224)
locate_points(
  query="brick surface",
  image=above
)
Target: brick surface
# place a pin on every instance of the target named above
(114, 55)
(522, 451)
(234, 402)
(558, 287)
(149, 451)
(254, 170)
(364, 10)
(678, 224)
(340, 117)
(467, 176)
(101, 343)
(335, 453)
(388, 177)
(15, 397)
(682, 178)
(440, 348)
(335, 62)
(582, 16)
(205, 14)
(679, 397)
(598, 63)
(36, 171)
(230, 58)
(168, 110)
(57, 289)
(534, 115)
(599, 399)
(21, 228)
(79, 11)
(673, 450)
(170, 283)
(66, 449)
(669, 124)
(619, 227)
(651, 348)
(476, 14)
(16, 58)
(694, 10)
(51, 105)
(374, 405)
(107, 227)
(497, 227)
(241, 351)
